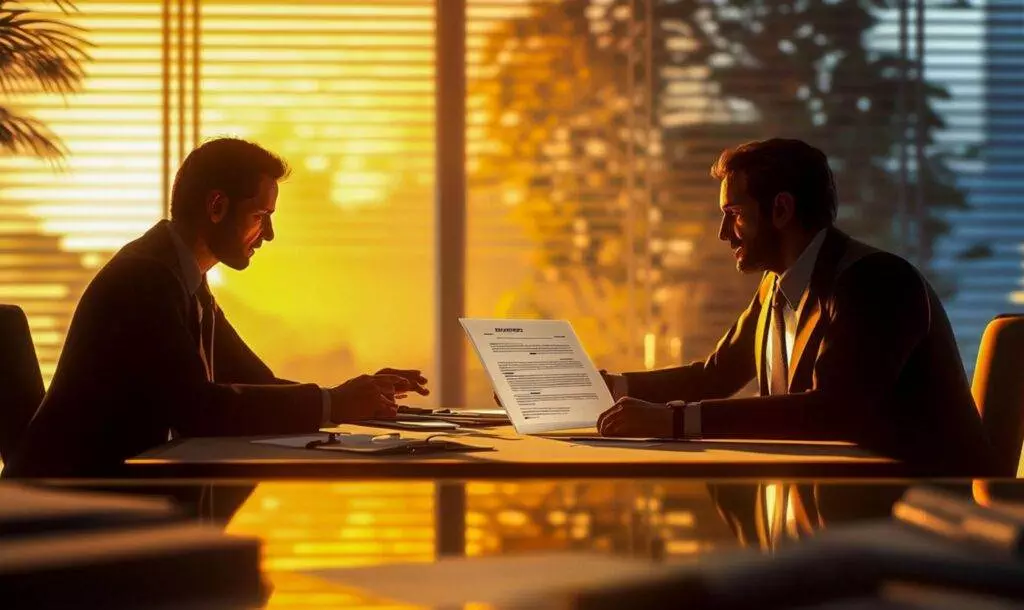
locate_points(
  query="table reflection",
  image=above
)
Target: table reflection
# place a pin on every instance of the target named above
(325, 524)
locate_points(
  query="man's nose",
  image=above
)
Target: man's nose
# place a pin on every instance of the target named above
(268, 230)
(724, 230)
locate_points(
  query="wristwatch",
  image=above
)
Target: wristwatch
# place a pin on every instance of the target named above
(685, 419)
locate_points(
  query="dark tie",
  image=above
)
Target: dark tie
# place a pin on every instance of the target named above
(206, 310)
(779, 382)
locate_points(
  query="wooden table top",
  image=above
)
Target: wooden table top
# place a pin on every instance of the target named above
(513, 456)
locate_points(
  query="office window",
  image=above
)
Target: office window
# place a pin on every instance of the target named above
(593, 124)
(563, 156)
(976, 50)
(342, 89)
(58, 228)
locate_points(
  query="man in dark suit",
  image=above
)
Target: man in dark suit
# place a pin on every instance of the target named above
(846, 342)
(150, 356)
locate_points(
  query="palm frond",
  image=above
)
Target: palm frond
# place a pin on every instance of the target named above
(65, 6)
(38, 54)
(26, 135)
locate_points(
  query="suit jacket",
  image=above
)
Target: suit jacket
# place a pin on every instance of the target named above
(131, 371)
(875, 362)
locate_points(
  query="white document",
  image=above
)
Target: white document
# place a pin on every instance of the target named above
(540, 373)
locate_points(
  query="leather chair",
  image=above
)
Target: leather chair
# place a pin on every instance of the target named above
(998, 389)
(21, 382)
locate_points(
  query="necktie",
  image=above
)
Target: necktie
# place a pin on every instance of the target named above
(207, 310)
(779, 381)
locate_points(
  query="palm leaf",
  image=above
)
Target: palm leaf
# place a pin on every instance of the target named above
(25, 135)
(38, 54)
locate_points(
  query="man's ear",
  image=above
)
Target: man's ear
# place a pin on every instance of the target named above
(783, 209)
(216, 206)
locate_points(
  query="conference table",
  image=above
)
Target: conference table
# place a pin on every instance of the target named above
(506, 454)
(567, 455)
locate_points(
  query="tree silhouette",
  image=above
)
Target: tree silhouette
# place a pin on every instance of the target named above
(565, 149)
(38, 54)
(805, 70)
(565, 106)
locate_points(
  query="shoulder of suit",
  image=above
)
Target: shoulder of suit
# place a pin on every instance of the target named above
(132, 270)
(151, 252)
(860, 257)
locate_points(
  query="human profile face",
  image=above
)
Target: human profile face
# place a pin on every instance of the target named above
(754, 239)
(242, 225)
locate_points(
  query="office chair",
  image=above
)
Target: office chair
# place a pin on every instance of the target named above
(998, 389)
(21, 382)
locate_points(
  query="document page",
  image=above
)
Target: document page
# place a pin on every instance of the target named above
(540, 373)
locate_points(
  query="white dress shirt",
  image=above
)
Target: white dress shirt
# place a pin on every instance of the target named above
(793, 284)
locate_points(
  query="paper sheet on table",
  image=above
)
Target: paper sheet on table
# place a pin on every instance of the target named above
(620, 443)
(540, 372)
(295, 442)
(452, 582)
(346, 440)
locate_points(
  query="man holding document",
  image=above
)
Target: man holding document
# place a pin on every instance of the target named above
(846, 342)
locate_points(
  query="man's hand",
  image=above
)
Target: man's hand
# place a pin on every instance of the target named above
(412, 381)
(636, 418)
(365, 397)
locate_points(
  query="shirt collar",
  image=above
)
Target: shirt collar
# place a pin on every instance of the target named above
(794, 281)
(190, 271)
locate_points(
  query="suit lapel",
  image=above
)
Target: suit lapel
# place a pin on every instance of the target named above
(810, 324)
(807, 324)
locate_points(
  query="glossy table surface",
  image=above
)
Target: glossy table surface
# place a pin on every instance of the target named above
(510, 455)
(315, 525)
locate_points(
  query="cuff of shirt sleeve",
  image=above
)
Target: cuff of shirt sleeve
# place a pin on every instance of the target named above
(325, 402)
(686, 420)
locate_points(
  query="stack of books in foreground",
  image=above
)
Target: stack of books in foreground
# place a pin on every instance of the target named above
(82, 549)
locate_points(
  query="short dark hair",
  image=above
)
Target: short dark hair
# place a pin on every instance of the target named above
(232, 165)
(782, 165)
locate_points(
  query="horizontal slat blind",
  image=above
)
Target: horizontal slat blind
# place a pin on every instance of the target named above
(979, 51)
(344, 90)
(57, 228)
(561, 155)
(970, 52)
(716, 74)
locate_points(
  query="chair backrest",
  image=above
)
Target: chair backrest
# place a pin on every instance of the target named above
(998, 388)
(21, 382)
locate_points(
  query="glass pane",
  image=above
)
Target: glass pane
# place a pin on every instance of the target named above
(562, 171)
(345, 92)
(59, 224)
